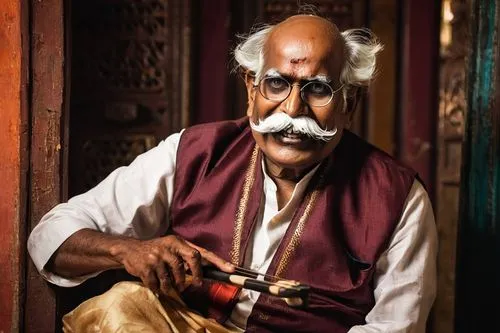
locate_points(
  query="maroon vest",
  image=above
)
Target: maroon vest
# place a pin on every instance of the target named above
(343, 225)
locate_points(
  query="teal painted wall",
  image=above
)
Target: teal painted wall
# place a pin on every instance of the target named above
(478, 241)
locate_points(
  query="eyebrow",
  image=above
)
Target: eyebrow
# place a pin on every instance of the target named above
(321, 78)
(273, 72)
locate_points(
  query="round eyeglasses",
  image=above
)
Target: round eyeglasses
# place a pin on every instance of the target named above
(313, 93)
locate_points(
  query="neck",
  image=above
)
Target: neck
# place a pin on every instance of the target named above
(285, 180)
(279, 173)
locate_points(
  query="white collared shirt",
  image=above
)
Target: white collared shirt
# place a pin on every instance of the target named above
(269, 230)
(405, 276)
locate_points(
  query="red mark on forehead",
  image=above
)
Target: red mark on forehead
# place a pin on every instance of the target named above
(297, 61)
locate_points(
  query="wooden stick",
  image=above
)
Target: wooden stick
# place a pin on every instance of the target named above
(294, 293)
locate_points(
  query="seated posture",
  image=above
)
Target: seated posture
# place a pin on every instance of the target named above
(287, 191)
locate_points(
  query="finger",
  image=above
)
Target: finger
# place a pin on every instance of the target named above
(213, 259)
(164, 278)
(176, 267)
(193, 259)
(151, 281)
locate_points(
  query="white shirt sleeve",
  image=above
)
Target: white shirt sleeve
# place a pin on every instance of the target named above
(132, 201)
(405, 276)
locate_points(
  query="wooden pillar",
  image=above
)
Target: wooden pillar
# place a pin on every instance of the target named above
(478, 239)
(416, 128)
(47, 144)
(380, 116)
(13, 162)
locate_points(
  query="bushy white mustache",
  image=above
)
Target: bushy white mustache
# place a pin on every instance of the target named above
(280, 121)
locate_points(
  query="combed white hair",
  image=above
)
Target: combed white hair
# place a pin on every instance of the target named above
(249, 53)
(361, 49)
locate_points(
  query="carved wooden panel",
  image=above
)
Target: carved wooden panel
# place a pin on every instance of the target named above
(130, 81)
(121, 46)
(102, 155)
(130, 70)
(452, 107)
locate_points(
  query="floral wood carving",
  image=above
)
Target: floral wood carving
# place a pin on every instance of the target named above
(130, 70)
(452, 106)
(131, 45)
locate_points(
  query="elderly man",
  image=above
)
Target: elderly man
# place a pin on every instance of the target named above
(287, 191)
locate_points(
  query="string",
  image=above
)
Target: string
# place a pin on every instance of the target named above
(249, 271)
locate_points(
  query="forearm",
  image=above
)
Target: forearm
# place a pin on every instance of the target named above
(158, 262)
(88, 251)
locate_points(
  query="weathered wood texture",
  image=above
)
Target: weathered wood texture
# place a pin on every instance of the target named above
(13, 127)
(478, 281)
(47, 110)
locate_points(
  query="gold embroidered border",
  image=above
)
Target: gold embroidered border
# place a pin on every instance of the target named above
(295, 241)
(242, 208)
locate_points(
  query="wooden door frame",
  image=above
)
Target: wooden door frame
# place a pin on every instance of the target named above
(31, 77)
(49, 100)
(13, 160)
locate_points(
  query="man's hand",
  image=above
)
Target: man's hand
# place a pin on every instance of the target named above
(161, 261)
(157, 262)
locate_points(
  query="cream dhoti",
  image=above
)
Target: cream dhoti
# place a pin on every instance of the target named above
(131, 307)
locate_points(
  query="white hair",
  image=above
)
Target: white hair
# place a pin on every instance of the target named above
(249, 53)
(361, 49)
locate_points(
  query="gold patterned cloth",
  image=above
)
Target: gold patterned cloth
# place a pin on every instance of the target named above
(131, 307)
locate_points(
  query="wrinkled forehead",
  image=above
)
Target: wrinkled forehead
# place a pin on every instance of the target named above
(305, 47)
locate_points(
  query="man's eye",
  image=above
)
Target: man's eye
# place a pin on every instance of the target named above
(276, 83)
(318, 88)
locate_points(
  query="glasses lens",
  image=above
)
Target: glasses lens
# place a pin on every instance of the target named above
(274, 88)
(317, 93)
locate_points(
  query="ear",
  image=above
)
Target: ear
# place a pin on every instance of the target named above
(249, 83)
(352, 101)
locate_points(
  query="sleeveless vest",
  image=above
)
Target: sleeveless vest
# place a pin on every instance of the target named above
(343, 225)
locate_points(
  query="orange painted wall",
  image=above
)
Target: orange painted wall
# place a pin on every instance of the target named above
(10, 163)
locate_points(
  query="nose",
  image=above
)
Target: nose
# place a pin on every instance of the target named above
(294, 105)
